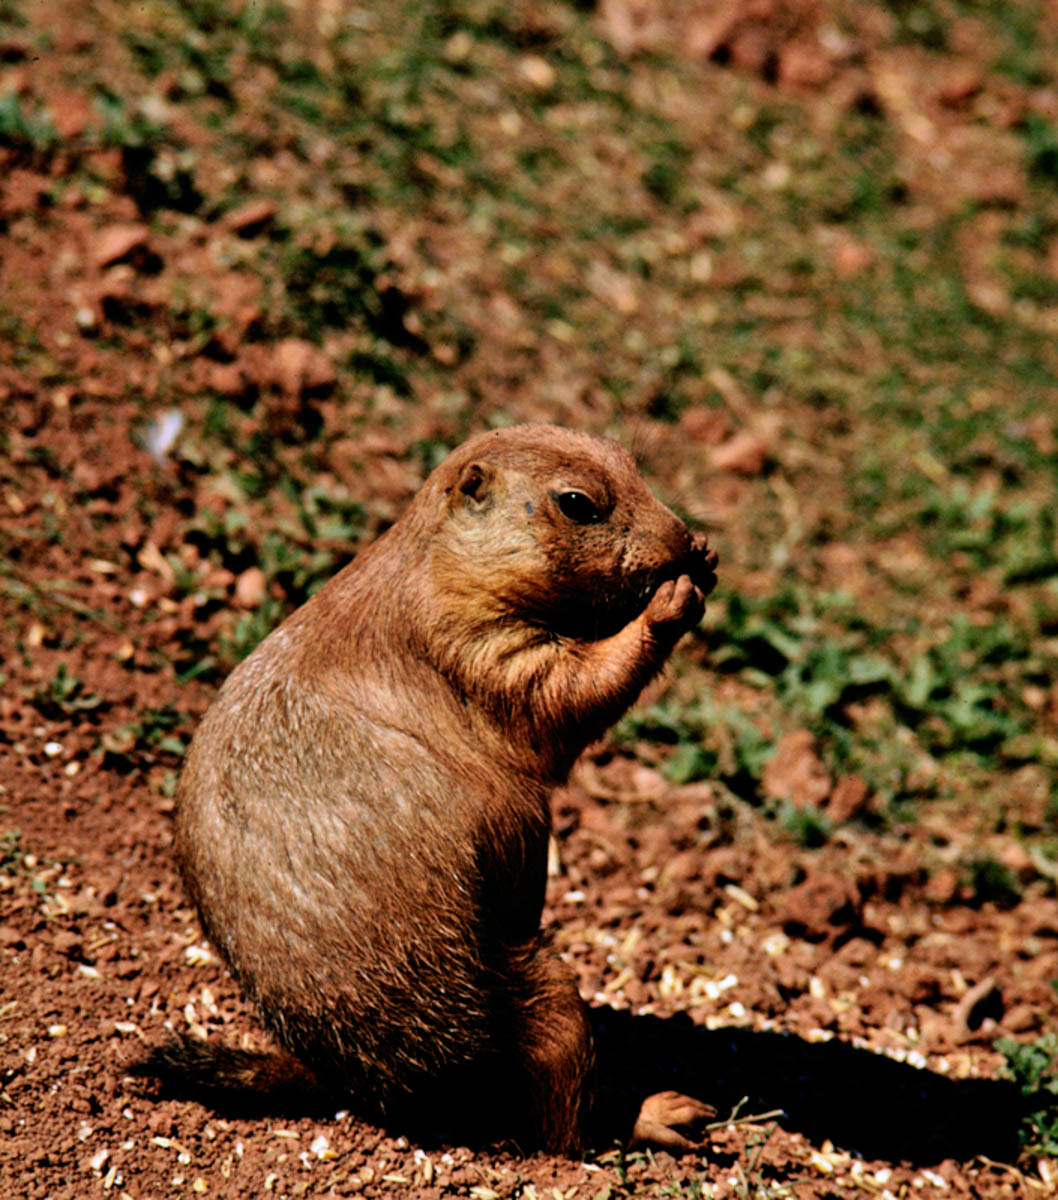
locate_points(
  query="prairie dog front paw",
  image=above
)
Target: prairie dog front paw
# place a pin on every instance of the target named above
(675, 606)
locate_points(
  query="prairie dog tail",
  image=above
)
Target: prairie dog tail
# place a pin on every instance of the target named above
(232, 1081)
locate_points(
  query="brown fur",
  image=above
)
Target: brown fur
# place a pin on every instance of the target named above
(364, 813)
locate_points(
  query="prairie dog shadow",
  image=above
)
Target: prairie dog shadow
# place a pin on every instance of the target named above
(859, 1100)
(862, 1101)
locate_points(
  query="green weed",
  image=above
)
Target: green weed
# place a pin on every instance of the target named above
(249, 630)
(29, 134)
(11, 853)
(1041, 144)
(1033, 1066)
(348, 283)
(993, 882)
(152, 737)
(807, 826)
(708, 740)
(64, 695)
(921, 21)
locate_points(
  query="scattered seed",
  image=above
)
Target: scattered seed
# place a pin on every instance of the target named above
(741, 896)
(714, 988)
(321, 1147)
(198, 955)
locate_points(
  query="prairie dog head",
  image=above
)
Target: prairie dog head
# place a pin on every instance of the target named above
(553, 528)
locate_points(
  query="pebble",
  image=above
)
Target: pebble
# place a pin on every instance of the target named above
(117, 243)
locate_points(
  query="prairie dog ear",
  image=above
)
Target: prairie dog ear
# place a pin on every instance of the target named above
(476, 482)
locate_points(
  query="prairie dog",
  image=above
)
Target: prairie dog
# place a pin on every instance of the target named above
(364, 813)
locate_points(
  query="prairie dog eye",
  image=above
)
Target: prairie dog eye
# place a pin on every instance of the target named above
(578, 507)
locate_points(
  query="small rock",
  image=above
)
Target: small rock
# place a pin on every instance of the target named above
(538, 72)
(71, 112)
(849, 799)
(117, 243)
(819, 907)
(300, 368)
(744, 454)
(250, 588)
(804, 63)
(1001, 184)
(66, 941)
(796, 773)
(1018, 859)
(705, 425)
(1022, 1018)
(228, 379)
(86, 318)
(850, 258)
(727, 864)
(251, 218)
(961, 87)
(681, 867)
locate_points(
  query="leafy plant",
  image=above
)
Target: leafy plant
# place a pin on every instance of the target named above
(10, 851)
(1033, 1066)
(993, 881)
(346, 283)
(805, 824)
(28, 133)
(709, 740)
(141, 742)
(250, 629)
(64, 695)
